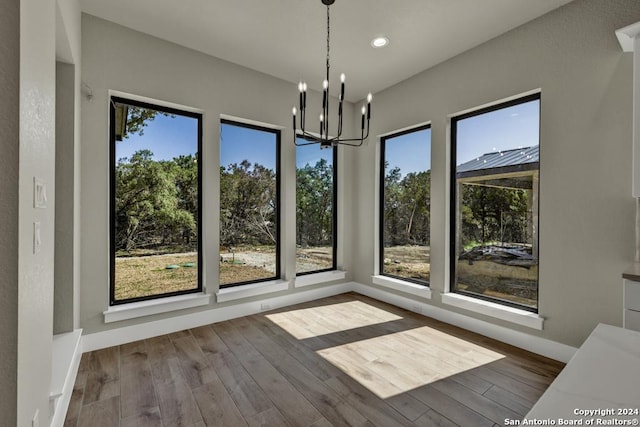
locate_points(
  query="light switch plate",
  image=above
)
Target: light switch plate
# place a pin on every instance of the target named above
(39, 193)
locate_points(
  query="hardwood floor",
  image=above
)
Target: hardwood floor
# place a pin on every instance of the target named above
(344, 360)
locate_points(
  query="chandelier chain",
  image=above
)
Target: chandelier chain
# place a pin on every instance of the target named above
(328, 32)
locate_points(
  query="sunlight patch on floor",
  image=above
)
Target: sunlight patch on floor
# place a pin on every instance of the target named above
(396, 363)
(331, 318)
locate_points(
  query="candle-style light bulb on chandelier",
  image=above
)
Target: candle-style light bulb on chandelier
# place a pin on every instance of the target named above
(323, 137)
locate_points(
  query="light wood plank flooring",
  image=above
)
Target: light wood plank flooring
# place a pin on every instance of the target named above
(344, 360)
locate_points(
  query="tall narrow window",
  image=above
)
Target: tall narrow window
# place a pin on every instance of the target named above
(249, 204)
(315, 209)
(405, 205)
(494, 203)
(155, 201)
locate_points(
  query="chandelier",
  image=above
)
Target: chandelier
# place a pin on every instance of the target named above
(323, 137)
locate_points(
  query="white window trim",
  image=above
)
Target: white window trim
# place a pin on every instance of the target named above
(321, 277)
(133, 310)
(253, 289)
(492, 309)
(421, 291)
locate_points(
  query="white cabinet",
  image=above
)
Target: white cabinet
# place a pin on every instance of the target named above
(602, 375)
(631, 305)
(629, 38)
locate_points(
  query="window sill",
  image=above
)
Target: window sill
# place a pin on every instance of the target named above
(160, 305)
(323, 277)
(253, 289)
(402, 286)
(499, 311)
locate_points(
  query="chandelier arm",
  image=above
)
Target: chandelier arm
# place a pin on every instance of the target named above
(312, 137)
(305, 143)
(348, 142)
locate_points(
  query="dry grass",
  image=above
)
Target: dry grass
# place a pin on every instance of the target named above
(411, 262)
(147, 275)
(315, 258)
(234, 273)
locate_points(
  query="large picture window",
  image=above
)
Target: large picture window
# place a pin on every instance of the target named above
(405, 205)
(494, 203)
(249, 204)
(155, 201)
(315, 209)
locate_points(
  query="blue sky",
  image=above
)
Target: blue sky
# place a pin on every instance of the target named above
(410, 152)
(311, 154)
(168, 137)
(238, 143)
(501, 130)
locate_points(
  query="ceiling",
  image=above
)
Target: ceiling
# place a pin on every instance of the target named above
(287, 38)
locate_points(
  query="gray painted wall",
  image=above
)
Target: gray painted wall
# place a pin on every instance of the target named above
(64, 300)
(586, 208)
(9, 149)
(119, 59)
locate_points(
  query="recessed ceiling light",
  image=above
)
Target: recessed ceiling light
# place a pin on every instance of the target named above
(379, 42)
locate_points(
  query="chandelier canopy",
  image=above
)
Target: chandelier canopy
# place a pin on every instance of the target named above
(324, 137)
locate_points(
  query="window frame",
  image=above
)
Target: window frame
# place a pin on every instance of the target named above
(453, 208)
(113, 99)
(383, 142)
(278, 135)
(334, 219)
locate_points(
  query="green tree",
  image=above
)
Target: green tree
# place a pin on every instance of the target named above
(485, 210)
(392, 207)
(314, 204)
(248, 201)
(185, 172)
(147, 212)
(138, 117)
(407, 208)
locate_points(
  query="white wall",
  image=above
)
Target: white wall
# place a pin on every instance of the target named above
(586, 209)
(9, 239)
(120, 59)
(37, 156)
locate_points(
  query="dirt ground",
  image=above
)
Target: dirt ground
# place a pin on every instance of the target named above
(307, 259)
(311, 259)
(411, 262)
(147, 275)
(510, 283)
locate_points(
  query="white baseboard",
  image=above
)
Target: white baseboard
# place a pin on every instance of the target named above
(542, 346)
(128, 334)
(67, 351)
